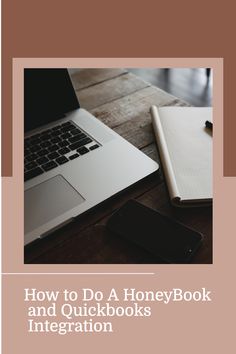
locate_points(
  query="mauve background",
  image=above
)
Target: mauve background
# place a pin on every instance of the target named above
(125, 29)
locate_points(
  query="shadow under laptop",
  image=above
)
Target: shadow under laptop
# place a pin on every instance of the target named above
(88, 236)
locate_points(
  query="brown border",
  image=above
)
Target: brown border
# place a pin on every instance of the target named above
(12, 188)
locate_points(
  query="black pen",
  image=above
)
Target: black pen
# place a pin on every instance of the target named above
(209, 125)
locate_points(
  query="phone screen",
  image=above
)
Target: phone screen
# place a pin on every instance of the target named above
(168, 239)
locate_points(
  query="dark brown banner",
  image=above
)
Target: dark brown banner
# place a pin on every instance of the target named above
(125, 29)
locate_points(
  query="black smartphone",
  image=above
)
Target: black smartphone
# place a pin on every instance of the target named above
(170, 240)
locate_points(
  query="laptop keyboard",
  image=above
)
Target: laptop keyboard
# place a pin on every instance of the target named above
(53, 147)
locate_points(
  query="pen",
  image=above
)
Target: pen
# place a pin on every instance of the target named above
(209, 125)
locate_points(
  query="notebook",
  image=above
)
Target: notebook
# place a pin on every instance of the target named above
(185, 147)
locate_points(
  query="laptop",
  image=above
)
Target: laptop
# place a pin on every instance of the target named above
(72, 161)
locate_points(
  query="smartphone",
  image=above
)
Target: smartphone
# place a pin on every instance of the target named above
(172, 241)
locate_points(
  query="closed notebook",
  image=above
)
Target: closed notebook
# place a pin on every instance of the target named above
(185, 146)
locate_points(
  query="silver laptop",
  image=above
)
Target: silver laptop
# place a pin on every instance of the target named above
(72, 161)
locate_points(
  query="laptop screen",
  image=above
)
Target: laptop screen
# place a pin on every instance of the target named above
(48, 95)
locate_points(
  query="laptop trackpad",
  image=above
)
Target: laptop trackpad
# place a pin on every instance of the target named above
(49, 200)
